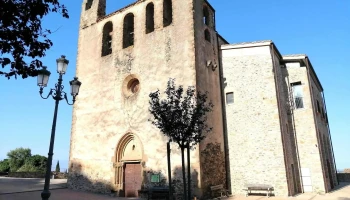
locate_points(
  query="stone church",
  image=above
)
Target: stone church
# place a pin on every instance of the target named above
(269, 121)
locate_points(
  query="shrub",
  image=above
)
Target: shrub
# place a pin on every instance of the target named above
(4, 166)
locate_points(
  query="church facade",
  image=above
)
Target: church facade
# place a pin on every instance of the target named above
(260, 132)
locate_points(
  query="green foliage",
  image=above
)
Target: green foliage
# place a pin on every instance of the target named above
(214, 171)
(4, 166)
(38, 162)
(17, 158)
(58, 167)
(21, 160)
(28, 168)
(21, 35)
(181, 118)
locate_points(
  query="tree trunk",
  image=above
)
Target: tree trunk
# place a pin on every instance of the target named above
(169, 171)
(189, 172)
(183, 171)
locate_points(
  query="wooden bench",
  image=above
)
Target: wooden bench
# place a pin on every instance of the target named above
(219, 188)
(156, 193)
(258, 187)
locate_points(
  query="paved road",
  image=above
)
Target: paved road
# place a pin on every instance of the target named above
(14, 185)
(20, 191)
(58, 194)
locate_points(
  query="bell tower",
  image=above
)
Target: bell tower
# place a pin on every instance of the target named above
(122, 57)
(92, 10)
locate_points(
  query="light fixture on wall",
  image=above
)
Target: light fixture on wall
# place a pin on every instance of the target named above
(209, 63)
(214, 67)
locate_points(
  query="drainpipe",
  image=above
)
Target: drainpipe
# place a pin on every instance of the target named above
(224, 119)
(330, 139)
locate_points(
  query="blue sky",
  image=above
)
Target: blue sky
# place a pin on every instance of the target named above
(318, 28)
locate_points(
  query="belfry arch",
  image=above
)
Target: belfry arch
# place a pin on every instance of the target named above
(127, 159)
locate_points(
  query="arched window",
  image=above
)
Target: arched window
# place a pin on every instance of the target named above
(88, 4)
(107, 39)
(150, 18)
(128, 30)
(207, 35)
(167, 12)
(206, 16)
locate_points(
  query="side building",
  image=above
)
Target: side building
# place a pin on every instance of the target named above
(270, 141)
(317, 164)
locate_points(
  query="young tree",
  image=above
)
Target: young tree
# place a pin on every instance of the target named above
(181, 118)
(58, 167)
(21, 34)
(17, 158)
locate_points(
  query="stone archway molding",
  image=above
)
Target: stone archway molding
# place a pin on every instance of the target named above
(129, 150)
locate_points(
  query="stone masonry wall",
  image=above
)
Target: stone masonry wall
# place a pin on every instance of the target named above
(255, 144)
(344, 177)
(309, 153)
(103, 113)
(287, 133)
(208, 79)
(323, 136)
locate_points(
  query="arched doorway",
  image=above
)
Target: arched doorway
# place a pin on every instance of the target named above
(127, 165)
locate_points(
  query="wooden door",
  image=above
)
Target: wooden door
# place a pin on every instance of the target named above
(132, 183)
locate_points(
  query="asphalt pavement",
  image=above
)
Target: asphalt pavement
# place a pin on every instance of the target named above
(30, 189)
(17, 185)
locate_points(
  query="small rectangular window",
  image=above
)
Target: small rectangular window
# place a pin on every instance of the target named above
(318, 106)
(88, 4)
(298, 95)
(229, 98)
(323, 114)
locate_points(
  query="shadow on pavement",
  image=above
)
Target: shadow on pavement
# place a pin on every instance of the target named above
(56, 194)
(340, 186)
(10, 185)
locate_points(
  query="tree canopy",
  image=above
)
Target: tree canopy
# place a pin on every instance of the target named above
(22, 160)
(22, 36)
(17, 157)
(4, 166)
(58, 169)
(182, 118)
(35, 163)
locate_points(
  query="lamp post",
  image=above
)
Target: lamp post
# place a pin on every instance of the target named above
(57, 94)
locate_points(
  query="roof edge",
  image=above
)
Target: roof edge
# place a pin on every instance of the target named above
(247, 44)
(304, 58)
(222, 38)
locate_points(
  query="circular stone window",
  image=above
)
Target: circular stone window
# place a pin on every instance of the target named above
(134, 85)
(131, 85)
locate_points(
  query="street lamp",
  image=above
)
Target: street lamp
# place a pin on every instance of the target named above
(57, 94)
